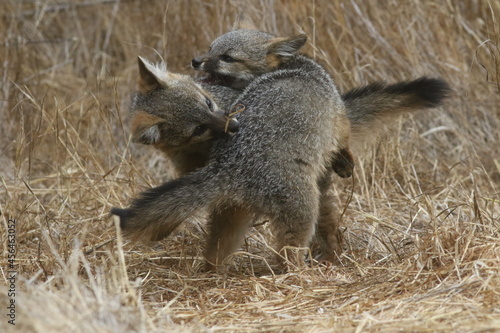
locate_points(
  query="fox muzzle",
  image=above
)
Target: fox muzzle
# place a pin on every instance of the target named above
(196, 63)
(232, 126)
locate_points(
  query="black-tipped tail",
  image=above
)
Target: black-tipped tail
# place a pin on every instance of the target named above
(380, 97)
(158, 211)
(370, 108)
(425, 92)
(123, 214)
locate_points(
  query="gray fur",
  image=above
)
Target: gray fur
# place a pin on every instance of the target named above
(224, 96)
(369, 109)
(272, 167)
(279, 165)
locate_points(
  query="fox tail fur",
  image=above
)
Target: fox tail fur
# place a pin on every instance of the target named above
(371, 107)
(157, 212)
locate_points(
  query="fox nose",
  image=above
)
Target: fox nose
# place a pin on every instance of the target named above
(196, 63)
(233, 126)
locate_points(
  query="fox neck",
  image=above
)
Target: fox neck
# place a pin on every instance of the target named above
(190, 158)
(224, 80)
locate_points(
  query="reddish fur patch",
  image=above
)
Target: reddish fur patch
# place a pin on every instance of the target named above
(273, 61)
(142, 120)
(343, 127)
(144, 87)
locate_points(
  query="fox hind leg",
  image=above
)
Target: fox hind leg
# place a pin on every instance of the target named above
(328, 238)
(327, 243)
(293, 229)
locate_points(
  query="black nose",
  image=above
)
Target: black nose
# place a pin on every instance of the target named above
(196, 63)
(233, 126)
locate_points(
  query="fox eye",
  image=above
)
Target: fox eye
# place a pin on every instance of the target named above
(209, 104)
(199, 130)
(227, 58)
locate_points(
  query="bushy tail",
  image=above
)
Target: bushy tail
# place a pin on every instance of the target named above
(371, 107)
(160, 210)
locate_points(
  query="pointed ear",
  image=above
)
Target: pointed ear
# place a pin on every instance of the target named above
(147, 79)
(286, 46)
(243, 21)
(145, 129)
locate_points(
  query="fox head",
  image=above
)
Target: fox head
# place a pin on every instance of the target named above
(171, 111)
(239, 56)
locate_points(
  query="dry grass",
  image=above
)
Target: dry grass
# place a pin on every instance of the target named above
(422, 230)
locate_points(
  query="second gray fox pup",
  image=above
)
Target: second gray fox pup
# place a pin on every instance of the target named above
(273, 166)
(236, 58)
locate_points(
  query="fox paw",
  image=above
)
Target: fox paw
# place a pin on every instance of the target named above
(343, 163)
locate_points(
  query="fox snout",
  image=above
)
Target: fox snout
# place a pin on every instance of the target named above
(196, 63)
(224, 123)
(233, 126)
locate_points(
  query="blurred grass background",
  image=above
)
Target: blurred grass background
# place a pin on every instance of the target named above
(423, 223)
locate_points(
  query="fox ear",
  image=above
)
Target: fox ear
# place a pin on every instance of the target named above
(145, 128)
(147, 79)
(243, 21)
(286, 46)
(148, 136)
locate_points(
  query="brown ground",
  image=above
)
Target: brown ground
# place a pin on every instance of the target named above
(422, 250)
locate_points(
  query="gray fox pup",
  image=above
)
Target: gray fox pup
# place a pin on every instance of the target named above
(238, 57)
(183, 131)
(292, 129)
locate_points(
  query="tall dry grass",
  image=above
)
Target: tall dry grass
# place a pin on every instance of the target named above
(422, 228)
